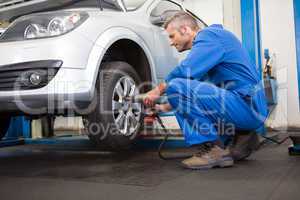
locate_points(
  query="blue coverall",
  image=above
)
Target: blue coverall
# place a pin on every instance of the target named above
(216, 87)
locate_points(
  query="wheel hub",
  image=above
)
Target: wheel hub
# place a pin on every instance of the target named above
(126, 114)
(126, 106)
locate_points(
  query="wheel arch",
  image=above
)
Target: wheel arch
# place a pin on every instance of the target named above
(122, 44)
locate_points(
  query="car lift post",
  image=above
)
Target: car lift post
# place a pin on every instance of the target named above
(18, 131)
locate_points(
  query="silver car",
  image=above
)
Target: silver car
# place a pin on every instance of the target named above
(86, 58)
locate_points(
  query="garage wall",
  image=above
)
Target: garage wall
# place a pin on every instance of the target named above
(278, 35)
(232, 16)
(209, 11)
(226, 12)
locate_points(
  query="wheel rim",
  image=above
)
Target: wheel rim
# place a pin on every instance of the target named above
(126, 114)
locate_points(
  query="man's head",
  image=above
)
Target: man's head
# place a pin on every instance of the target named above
(182, 29)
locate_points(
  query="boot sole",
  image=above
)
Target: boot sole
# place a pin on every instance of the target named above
(242, 156)
(225, 162)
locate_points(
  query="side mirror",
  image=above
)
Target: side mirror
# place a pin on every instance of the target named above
(157, 20)
(161, 19)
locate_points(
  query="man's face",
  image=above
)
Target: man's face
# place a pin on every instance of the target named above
(178, 38)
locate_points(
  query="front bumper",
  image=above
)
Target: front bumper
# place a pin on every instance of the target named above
(19, 76)
(64, 89)
(72, 87)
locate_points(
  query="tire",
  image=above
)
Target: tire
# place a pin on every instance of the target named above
(4, 125)
(115, 127)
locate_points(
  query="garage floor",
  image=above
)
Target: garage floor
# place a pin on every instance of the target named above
(54, 172)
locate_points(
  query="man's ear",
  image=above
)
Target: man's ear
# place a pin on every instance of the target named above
(183, 30)
(189, 30)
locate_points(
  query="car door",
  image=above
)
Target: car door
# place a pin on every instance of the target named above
(166, 57)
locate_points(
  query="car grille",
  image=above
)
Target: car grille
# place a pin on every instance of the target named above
(17, 77)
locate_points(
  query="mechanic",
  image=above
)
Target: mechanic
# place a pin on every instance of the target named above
(217, 83)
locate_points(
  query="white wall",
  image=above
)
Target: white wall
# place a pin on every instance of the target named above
(232, 17)
(226, 12)
(278, 35)
(211, 11)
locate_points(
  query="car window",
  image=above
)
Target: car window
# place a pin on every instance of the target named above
(133, 4)
(164, 7)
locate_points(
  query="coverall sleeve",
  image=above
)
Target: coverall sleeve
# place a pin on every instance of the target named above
(207, 52)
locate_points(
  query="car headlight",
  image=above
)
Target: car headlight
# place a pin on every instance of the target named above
(43, 25)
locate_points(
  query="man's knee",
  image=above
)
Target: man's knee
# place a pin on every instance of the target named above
(201, 96)
(180, 90)
(176, 91)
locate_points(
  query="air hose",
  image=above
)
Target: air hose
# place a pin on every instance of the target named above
(163, 143)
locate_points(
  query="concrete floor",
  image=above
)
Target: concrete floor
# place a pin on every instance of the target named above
(36, 172)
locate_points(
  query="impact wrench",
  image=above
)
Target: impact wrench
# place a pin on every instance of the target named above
(162, 100)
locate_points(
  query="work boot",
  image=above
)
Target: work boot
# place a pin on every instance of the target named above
(243, 144)
(209, 156)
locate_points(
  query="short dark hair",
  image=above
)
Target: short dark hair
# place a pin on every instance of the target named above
(182, 18)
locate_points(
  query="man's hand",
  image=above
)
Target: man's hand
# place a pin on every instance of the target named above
(163, 107)
(158, 108)
(154, 94)
(151, 97)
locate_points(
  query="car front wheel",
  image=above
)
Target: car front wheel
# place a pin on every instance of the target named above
(115, 122)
